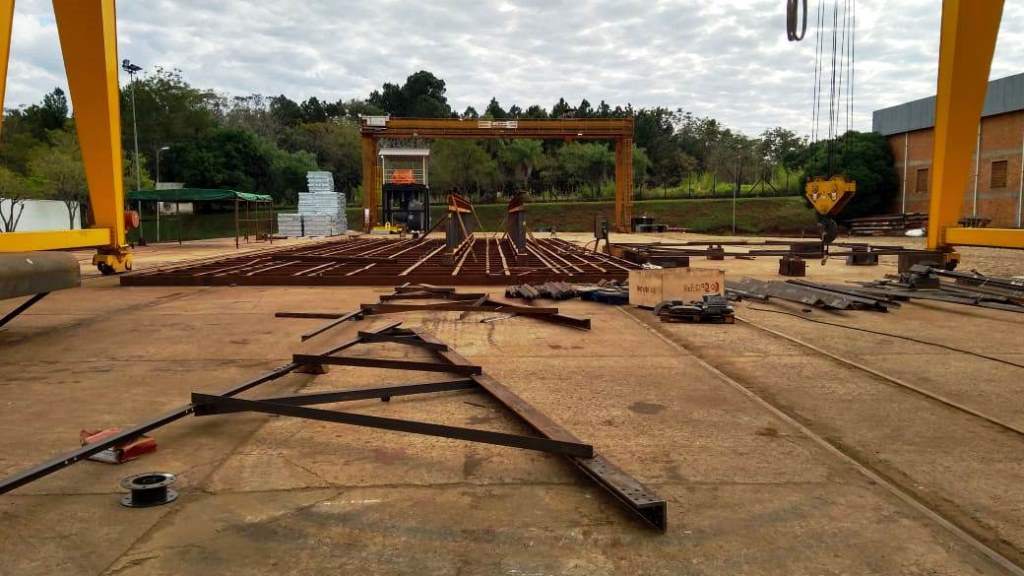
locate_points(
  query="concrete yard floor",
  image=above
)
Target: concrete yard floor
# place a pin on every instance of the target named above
(748, 492)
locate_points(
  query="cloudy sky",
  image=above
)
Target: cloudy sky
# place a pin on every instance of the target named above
(727, 58)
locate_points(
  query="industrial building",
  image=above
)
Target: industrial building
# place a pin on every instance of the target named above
(995, 189)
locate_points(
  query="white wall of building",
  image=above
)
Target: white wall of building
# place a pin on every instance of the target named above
(43, 215)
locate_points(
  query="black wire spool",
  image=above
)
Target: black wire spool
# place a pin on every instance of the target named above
(148, 489)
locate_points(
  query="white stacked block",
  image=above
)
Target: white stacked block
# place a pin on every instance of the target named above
(321, 210)
(289, 225)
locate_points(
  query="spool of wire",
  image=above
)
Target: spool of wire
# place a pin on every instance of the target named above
(149, 489)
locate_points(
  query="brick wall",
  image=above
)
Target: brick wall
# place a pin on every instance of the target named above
(1001, 140)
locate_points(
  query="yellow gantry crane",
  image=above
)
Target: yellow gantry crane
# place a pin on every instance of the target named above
(968, 40)
(88, 41)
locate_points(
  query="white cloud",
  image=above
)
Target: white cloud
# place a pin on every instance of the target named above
(727, 59)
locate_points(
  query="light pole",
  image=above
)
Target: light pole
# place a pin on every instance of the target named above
(157, 203)
(132, 69)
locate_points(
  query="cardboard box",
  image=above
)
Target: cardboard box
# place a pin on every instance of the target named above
(648, 288)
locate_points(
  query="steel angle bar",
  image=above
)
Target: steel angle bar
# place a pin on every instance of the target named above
(22, 307)
(386, 363)
(539, 444)
(408, 339)
(309, 315)
(641, 500)
(379, 392)
(355, 314)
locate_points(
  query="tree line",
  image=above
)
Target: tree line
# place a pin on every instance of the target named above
(266, 144)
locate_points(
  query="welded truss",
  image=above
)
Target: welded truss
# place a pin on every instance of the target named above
(550, 437)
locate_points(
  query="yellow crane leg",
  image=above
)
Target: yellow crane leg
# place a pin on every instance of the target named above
(88, 41)
(968, 40)
(623, 184)
(371, 201)
(6, 19)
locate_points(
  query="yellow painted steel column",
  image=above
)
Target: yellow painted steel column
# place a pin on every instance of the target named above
(88, 41)
(969, 30)
(6, 19)
(370, 200)
(623, 184)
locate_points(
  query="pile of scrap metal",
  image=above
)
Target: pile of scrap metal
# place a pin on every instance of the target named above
(712, 308)
(827, 296)
(924, 282)
(604, 291)
(548, 290)
(443, 299)
(891, 224)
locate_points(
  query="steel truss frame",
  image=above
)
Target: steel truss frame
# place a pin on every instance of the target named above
(551, 437)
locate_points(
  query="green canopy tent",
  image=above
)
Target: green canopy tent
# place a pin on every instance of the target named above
(178, 195)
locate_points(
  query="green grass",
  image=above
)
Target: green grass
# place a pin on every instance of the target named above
(759, 216)
(784, 215)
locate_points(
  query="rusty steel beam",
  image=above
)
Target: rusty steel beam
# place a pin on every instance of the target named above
(383, 262)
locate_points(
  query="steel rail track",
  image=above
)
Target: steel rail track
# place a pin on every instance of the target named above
(864, 469)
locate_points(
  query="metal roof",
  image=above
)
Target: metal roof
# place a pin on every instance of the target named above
(1003, 95)
(405, 151)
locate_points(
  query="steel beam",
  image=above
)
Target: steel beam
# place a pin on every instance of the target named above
(966, 45)
(386, 363)
(569, 448)
(88, 41)
(381, 392)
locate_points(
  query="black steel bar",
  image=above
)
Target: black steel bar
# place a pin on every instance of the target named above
(637, 497)
(577, 449)
(344, 318)
(21, 308)
(409, 339)
(387, 363)
(359, 394)
(312, 315)
(65, 460)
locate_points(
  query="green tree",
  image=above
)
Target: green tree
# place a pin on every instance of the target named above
(285, 111)
(224, 158)
(14, 191)
(422, 96)
(494, 110)
(335, 146)
(561, 109)
(520, 157)
(60, 175)
(865, 158)
(641, 164)
(536, 112)
(462, 166)
(585, 165)
(169, 111)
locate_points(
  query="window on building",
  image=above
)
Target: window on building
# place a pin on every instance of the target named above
(922, 180)
(998, 179)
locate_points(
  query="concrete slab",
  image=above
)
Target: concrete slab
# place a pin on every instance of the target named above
(747, 493)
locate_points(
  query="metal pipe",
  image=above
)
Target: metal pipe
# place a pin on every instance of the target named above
(977, 168)
(1020, 193)
(906, 164)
